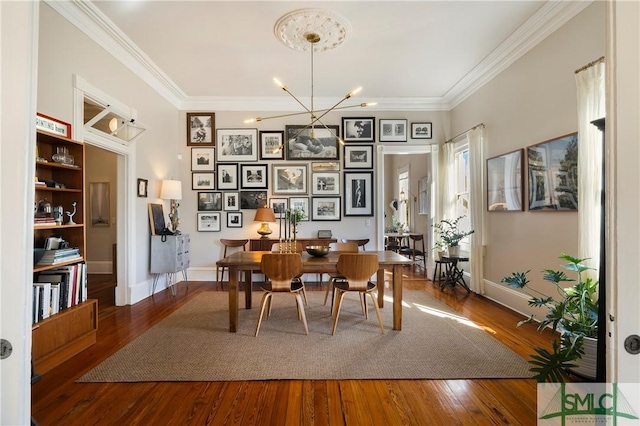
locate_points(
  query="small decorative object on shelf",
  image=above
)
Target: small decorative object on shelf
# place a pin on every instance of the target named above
(70, 214)
(62, 156)
(58, 214)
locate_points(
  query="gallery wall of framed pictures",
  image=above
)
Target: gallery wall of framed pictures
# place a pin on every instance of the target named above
(326, 171)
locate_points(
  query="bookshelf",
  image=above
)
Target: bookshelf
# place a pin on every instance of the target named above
(62, 335)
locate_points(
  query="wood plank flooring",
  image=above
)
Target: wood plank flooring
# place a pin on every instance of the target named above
(57, 400)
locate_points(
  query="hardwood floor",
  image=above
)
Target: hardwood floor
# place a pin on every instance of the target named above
(57, 400)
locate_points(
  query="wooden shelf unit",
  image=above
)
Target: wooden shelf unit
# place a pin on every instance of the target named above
(61, 336)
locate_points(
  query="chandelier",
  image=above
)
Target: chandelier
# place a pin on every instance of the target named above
(312, 29)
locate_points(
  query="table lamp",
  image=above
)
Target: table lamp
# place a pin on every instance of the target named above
(264, 215)
(172, 190)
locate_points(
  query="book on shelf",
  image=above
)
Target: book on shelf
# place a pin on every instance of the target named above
(70, 283)
(51, 257)
(42, 301)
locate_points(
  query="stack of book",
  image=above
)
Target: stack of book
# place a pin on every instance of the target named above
(40, 221)
(57, 289)
(52, 257)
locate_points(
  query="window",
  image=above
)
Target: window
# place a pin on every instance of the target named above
(104, 120)
(461, 177)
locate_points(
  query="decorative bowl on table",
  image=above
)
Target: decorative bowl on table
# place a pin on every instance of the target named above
(318, 251)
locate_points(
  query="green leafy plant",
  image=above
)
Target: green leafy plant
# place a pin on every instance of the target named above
(295, 216)
(449, 232)
(395, 225)
(573, 311)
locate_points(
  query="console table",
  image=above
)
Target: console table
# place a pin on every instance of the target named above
(453, 274)
(264, 244)
(169, 255)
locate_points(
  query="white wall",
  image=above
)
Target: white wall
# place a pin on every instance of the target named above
(534, 100)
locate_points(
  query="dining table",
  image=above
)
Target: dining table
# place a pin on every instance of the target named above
(249, 261)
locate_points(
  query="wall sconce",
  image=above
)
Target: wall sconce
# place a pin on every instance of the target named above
(265, 215)
(172, 190)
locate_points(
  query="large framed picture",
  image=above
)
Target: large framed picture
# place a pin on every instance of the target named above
(234, 220)
(393, 130)
(279, 206)
(300, 145)
(552, 167)
(209, 201)
(202, 159)
(272, 145)
(227, 176)
(505, 182)
(208, 222)
(231, 201)
(325, 208)
(358, 129)
(325, 183)
(420, 130)
(251, 200)
(358, 193)
(289, 179)
(201, 181)
(301, 204)
(358, 156)
(236, 145)
(200, 128)
(253, 176)
(99, 203)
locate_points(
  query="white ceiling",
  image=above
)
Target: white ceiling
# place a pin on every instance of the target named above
(405, 54)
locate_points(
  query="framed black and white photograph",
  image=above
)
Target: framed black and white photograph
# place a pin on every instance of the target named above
(251, 200)
(209, 201)
(505, 182)
(552, 167)
(393, 130)
(202, 159)
(358, 129)
(234, 220)
(271, 145)
(301, 204)
(358, 193)
(200, 128)
(236, 145)
(325, 183)
(208, 222)
(358, 156)
(253, 176)
(279, 206)
(201, 181)
(325, 208)
(231, 201)
(289, 179)
(420, 130)
(143, 186)
(299, 144)
(227, 176)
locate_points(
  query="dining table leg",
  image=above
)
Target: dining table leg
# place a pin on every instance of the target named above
(380, 286)
(397, 296)
(247, 289)
(233, 299)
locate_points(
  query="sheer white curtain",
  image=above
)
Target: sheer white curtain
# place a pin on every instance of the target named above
(591, 106)
(476, 200)
(449, 188)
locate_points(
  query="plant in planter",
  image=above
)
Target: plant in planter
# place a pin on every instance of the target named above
(395, 226)
(440, 247)
(294, 217)
(573, 312)
(450, 234)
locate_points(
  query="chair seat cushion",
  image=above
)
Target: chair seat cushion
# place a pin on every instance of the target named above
(344, 285)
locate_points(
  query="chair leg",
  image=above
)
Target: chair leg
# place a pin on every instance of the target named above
(304, 293)
(340, 295)
(363, 304)
(301, 311)
(326, 293)
(266, 298)
(375, 305)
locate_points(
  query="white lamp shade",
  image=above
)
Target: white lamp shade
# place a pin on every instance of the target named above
(171, 190)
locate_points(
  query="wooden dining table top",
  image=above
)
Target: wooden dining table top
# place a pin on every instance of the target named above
(250, 261)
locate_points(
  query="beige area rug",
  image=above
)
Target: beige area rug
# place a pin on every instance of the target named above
(194, 344)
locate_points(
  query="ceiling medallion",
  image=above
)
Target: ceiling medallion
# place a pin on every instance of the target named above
(293, 29)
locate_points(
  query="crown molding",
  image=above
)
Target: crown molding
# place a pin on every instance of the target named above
(546, 20)
(91, 21)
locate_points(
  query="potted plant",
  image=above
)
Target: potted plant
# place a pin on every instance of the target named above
(450, 234)
(395, 226)
(440, 247)
(573, 311)
(294, 217)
